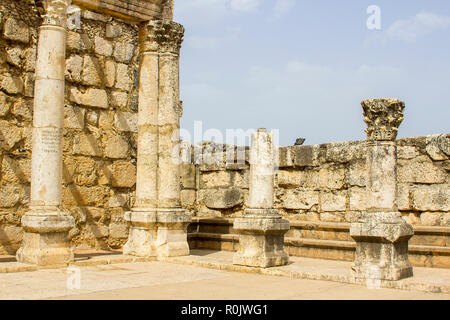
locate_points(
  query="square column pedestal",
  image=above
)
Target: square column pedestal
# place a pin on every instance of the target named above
(157, 232)
(261, 239)
(46, 239)
(382, 246)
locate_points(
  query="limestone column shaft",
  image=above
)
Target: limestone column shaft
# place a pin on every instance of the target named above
(46, 225)
(147, 146)
(169, 132)
(157, 221)
(381, 163)
(46, 169)
(261, 171)
(261, 230)
(381, 234)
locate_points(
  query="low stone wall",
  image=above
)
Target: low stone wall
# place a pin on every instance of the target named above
(327, 183)
(100, 124)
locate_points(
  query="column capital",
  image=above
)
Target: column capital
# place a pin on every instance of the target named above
(55, 12)
(383, 117)
(161, 37)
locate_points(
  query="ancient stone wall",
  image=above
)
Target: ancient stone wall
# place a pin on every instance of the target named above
(316, 183)
(327, 183)
(99, 164)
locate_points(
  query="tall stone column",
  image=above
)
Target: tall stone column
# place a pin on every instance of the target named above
(381, 234)
(261, 230)
(157, 222)
(45, 225)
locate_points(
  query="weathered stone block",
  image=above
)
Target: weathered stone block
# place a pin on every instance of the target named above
(74, 117)
(223, 198)
(91, 97)
(11, 84)
(215, 179)
(187, 198)
(300, 199)
(342, 152)
(331, 216)
(74, 66)
(118, 230)
(119, 99)
(431, 218)
(187, 175)
(23, 110)
(117, 147)
(92, 74)
(16, 30)
(110, 77)
(306, 155)
(420, 170)
(123, 79)
(403, 196)
(358, 198)
(4, 104)
(123, 174)
(118, 200)
(357, 174)
(86, 144)
(13, 57)
(16, 170)
(126, 121)
(103, 47)
(286, 157)
(113, 30)
(9, 135)
(124, 52)
(332, 178)
(430, 198)
(10, 195)
(407, 152)
(333, 202)
(292, 178)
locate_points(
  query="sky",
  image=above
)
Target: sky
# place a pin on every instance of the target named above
(304, 66)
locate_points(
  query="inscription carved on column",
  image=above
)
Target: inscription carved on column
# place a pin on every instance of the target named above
(50, 140)
(161, 36)
(383, 117)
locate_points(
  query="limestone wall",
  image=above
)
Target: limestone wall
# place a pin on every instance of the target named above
(320, 182)
(327, 183)
(100, 124)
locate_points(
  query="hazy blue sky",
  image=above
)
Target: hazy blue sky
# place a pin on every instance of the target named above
(303, 66)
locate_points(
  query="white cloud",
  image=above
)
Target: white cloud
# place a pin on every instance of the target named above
(409, 30)
(416, 27)
(283, 6)
(245, 5)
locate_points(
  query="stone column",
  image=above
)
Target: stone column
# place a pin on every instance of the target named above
(45, 225)
(261, 230)
(157, 222)
(381, 234)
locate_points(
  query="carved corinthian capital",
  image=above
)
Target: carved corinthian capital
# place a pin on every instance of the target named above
(161, 36)
(55, 12)
(383, 117)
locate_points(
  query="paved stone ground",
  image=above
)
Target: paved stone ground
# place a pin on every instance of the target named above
(169, 280)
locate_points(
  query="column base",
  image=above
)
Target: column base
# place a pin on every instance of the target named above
(382, 246)
(261, 239)
(45, 240)
(157, 232)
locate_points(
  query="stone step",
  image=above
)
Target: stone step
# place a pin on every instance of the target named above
(323, 240)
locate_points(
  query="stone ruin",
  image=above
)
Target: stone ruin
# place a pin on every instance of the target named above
(90, 114)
